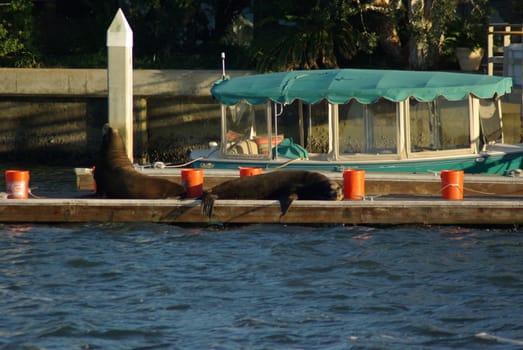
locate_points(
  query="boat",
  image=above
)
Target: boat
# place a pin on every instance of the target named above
(376, 120)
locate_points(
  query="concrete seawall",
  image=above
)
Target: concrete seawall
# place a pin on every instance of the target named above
(55, 115)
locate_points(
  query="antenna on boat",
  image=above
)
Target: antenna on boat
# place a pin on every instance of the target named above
(223, 65)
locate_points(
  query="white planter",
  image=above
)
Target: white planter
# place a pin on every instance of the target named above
(469, 60)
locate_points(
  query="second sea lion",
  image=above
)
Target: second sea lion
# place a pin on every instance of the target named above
(284, 186)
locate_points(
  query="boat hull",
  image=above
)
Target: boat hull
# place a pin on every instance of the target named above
(499, 163)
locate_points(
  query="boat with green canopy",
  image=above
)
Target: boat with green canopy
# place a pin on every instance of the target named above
(375, 120)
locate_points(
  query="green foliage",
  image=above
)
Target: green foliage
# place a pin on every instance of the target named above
(517, 13)
(16, 35)
(268, 35)
(310, 34)
(427, 23)
(468, 26)
(163, 28)
(73, 33)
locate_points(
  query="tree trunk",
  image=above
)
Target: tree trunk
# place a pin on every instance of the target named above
(419, 23)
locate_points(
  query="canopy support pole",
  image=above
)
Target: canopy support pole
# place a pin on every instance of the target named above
(300, 123)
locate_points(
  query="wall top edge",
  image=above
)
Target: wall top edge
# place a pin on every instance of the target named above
(93, 82)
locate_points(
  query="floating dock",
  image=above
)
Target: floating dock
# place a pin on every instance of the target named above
(390, 199)
(383, 210)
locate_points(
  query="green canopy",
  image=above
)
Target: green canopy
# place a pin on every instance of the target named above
(341, 85)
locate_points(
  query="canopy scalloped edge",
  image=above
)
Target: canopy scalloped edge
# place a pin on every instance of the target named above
(339, 86)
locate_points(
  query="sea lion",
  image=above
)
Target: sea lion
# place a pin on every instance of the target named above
(116, 177)
(284, 185)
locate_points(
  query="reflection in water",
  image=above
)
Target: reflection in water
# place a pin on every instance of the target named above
(16, 230)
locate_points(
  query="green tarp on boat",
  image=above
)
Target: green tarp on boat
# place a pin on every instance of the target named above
(365, 85)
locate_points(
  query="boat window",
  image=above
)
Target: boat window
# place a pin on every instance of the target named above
(317, 128)
(307, 125)
(490, 118)
(439, 125)
(368, 128)
(244, 125)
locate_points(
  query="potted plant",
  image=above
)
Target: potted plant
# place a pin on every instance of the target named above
(466, 34)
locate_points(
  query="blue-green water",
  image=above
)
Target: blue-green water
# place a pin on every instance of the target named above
(121, 286)
(155, 286)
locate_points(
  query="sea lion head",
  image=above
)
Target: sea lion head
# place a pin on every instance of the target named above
(321, 187)
(328, 190)
(336, 191)
(113, 147)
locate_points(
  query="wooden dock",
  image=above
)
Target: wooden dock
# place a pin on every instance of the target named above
(382, 210)
(390, 199)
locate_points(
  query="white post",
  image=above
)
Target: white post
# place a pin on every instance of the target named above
(490, 50)
(120, 78)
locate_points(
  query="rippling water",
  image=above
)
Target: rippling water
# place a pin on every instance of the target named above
(155, 286)
(259, 287)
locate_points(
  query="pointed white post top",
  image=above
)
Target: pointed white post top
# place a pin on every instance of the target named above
(119, 33)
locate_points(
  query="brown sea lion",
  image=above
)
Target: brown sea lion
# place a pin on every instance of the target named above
(116, 177)
(283, 185)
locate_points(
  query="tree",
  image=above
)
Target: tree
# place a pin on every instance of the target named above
(426, 24)
(181, 32)
(16, 35)
(309, 34)
(224, 14)
(286, 35)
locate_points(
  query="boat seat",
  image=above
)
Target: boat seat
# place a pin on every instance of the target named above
(243, 147)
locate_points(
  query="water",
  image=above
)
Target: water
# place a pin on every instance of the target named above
(155, 286)
(258, 287)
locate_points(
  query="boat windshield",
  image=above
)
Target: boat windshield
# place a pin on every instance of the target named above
(248, 128)
(439, 125)
(245, 128)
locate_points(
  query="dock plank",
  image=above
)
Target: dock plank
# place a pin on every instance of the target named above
(423, 210)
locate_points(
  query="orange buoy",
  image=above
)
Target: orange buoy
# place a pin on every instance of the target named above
(17, 184)
(452, 184)
(192, 180)
(354, 184)
(248, 171)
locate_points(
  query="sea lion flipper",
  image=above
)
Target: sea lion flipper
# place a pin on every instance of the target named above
(285, 203)
(207, 204)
